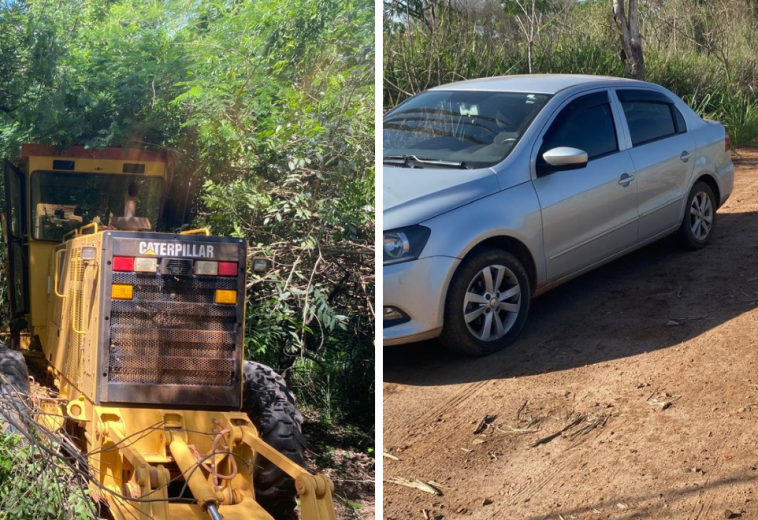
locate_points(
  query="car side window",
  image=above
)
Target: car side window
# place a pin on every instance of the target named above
(650, 115)
(585, 123)
(681, 126)
(648, 121)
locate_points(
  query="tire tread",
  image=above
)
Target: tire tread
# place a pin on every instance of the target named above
(455, 335)
(684, 233)
(271, 407)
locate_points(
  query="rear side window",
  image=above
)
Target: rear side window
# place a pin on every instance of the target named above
(650, 115)
(587, 124)
(681, 126)
(648, 121)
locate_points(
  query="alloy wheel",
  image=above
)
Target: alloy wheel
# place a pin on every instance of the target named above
(701, 216)
(492, 303)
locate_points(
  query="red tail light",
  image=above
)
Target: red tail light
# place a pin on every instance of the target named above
(227, 268)
(123, 263)
(727, 141)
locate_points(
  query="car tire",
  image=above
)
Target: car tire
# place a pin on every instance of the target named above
(698, 223)
(270, 406)
(480, 318)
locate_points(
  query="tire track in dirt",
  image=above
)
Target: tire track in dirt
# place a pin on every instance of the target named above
(528, 491)
(452, 402)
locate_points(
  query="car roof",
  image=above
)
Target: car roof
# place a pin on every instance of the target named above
(538, 83)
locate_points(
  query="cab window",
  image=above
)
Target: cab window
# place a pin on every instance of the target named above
(62, 202)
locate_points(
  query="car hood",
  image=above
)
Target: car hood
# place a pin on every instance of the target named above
(413, 195)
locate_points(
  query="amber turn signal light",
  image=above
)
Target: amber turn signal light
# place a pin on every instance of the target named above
(121, 292)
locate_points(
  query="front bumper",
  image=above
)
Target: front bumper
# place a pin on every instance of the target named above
(417, 288)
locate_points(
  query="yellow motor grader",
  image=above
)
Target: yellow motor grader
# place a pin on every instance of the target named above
(142, 338)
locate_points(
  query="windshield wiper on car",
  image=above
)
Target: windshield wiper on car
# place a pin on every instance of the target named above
(411, 161)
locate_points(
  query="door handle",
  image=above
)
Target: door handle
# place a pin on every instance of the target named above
(626, 180)
(685, 156)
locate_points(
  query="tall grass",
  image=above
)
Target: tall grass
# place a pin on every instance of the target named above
(738, 111)
(418, 57)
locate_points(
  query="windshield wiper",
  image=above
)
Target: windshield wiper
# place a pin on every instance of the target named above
(411, 161)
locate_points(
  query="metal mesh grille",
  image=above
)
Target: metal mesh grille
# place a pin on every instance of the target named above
(176, 266)
(171, 332)
(75, 352)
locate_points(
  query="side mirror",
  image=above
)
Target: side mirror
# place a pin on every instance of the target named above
(564, 158)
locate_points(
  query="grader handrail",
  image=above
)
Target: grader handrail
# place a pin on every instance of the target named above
(77, 232)
(200, 231)
(88, 226)
(55, 276)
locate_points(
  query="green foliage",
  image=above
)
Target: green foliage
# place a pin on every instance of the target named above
(32, 488)
(268, 107)
(92, 73)
(280, 99)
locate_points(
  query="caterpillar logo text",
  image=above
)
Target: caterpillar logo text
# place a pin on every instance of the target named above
(176, 249)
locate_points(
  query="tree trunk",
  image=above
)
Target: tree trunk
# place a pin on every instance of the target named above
(629, 33)
(529, 55)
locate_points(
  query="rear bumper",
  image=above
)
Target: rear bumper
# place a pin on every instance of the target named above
(726, 181)
(418, 289)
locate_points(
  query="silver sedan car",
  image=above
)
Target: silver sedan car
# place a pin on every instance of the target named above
(497, 190)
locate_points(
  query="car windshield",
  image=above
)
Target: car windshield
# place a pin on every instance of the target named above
(464, 128)
(62, 202)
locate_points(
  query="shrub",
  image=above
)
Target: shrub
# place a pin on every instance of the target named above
(34, 486)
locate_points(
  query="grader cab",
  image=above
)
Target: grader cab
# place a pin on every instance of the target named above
(141, 334)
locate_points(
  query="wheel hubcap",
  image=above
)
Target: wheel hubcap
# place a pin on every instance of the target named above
(701, 215)
(492, 303)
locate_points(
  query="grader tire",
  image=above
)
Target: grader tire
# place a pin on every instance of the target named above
(14, 384)
(271, 408)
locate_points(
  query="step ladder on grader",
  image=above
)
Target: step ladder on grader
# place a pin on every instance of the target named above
(141, 337)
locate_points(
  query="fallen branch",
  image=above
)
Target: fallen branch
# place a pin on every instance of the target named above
(516, 431)
(550, 437)
(416, 484)
(664, 403)
(486, 421)
(389, 456)
(597, 422)
(521, 409)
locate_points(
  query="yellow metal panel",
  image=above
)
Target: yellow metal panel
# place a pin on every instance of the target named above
(96, 165)
(40, 254)
(74, 355)
(248, 509)
(148, 443)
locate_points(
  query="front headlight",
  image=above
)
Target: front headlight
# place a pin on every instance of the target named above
(402, 245)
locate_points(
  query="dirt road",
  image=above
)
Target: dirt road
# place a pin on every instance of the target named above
(648, 362)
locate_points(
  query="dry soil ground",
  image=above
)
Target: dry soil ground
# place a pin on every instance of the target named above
(342, 454)
(651, 358)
